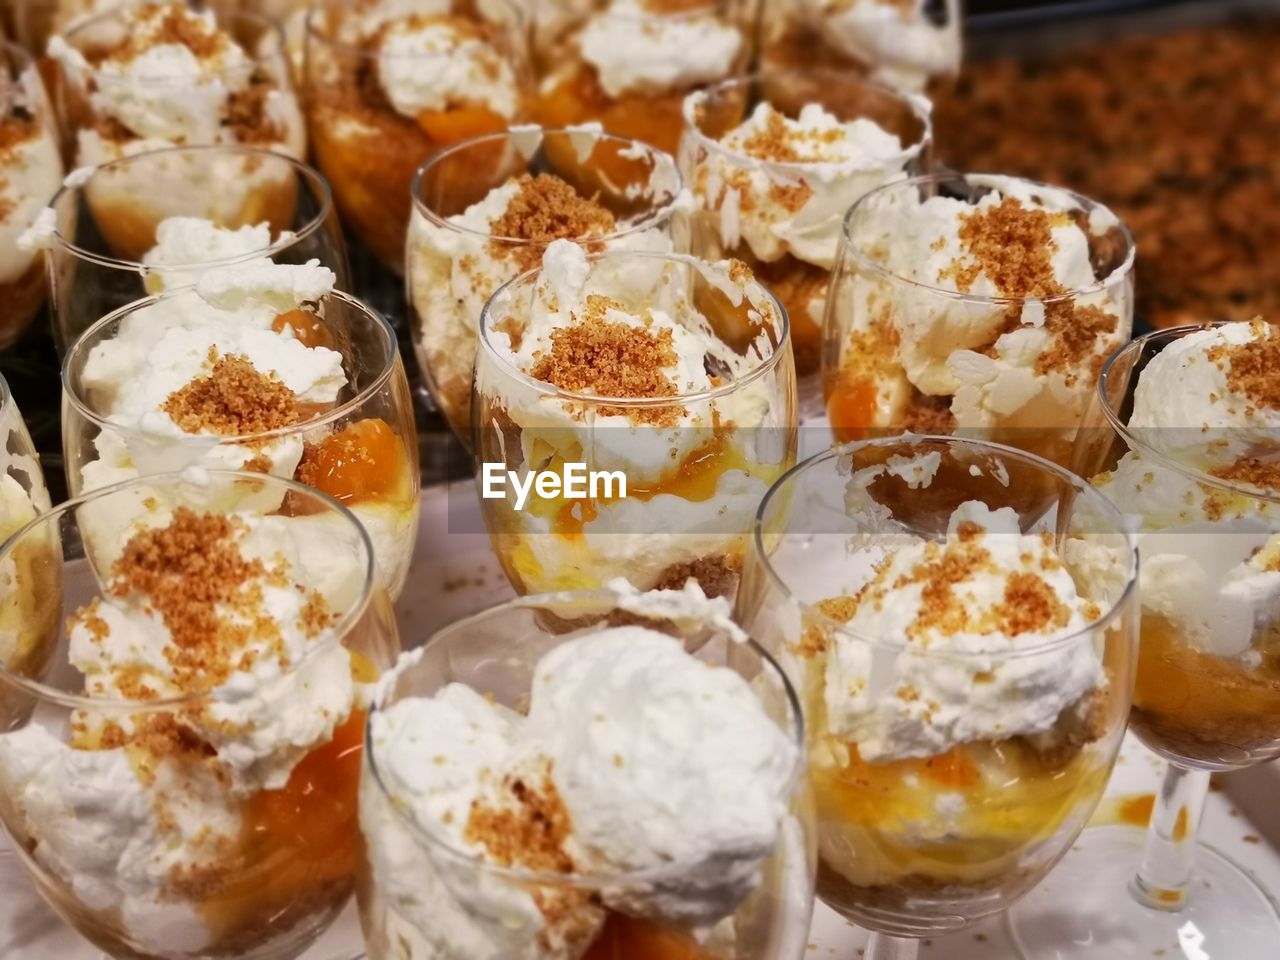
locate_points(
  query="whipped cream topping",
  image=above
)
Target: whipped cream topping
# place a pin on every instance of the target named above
(784, 185)
(1034, 373)
(130, 806)
(457, 266)
(898, 40)
(30, 169)
(428, 63)
(632, 747)
(637, 50)
(162, 352)
(930, 658)
(166, 75)
(1208, 402)
(182, 243)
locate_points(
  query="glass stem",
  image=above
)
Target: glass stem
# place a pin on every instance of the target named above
(1164, 877)
(884, 947)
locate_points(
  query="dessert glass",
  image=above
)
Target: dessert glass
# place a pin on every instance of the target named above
(788, 216)
(30, 173)
(454, 265)
(104, 225)
(419, 890)
(363, 451)
(1202, 709)
(629, 64)
(119, 805)
(251, 104)
(904, 353)
(696, 464)
(367, 149)
(22, 490)
(946, 820)
(907, 44)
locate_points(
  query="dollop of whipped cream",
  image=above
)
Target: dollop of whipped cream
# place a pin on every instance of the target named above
(435, 63)
(631, 749)
(184, 244)
(930, 657)
(899, 41)
(1208, 402)
(786, 184)
(166, 376)
(127, 807)
(30, 169)
(1020, 241)
(635, 49)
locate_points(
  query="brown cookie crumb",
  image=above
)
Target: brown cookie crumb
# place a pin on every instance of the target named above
(544, 209)
(234, 400)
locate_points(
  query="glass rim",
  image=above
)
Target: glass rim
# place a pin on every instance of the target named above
(1117, 276)
(794, 731)
(221, 18)
(919, 106)
(545, 389)
(305, 170)
(197, 439)
(1136, 346)
(46, 693)
(1082, 487)
(654, 219)
(518, 23)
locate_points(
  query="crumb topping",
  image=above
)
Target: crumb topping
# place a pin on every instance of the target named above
(234, 400)
(1012, 245)
(528, 828)
(177, 26)
(1030, 606)
(1252, 369)
(610, 358)
(544, 209)
(780, 143)
(1263, 474)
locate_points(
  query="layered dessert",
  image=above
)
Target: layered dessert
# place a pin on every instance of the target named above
(647, 790)
(156, 75)
(1203, 475)
(618, 363)
(957, 710)
(773, 191)
(903, 43)
(224, 824)
(457, 262)
(30, 174)
(630, 63)
(246, 372)
(991, 315)
(388, 86)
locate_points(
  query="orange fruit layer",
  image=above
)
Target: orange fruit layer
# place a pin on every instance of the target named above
(626, 938)
(364, 461)
(656, 121)
(851, 406)
(446, 127)
(308, 328)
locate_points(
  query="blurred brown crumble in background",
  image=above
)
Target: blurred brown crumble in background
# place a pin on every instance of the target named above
(1179, 134)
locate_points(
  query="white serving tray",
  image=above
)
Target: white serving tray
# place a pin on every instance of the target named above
(455, 573)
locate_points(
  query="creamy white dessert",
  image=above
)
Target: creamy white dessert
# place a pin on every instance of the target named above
(22, 495)
(227, 375)
(162, 75)
(956, 700)
(625, 327)
(456, 263)
(161, 821)
(628, 759)
(775, 189)
(985, 316)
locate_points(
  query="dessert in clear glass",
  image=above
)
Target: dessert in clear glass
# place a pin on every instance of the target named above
(977, 304)
(907, 44)
(155, 221)
(1185, 428)
(666, 372)
(960, 620)
(775, 162)
(143, 77)
(183, 713)
(631, 789)
(628, 64)
(260, 367)
(30, 173)
(22, 489)
(390, 83)
(484, 212)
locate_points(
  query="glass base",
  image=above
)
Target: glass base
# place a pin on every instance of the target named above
(1084, 909)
